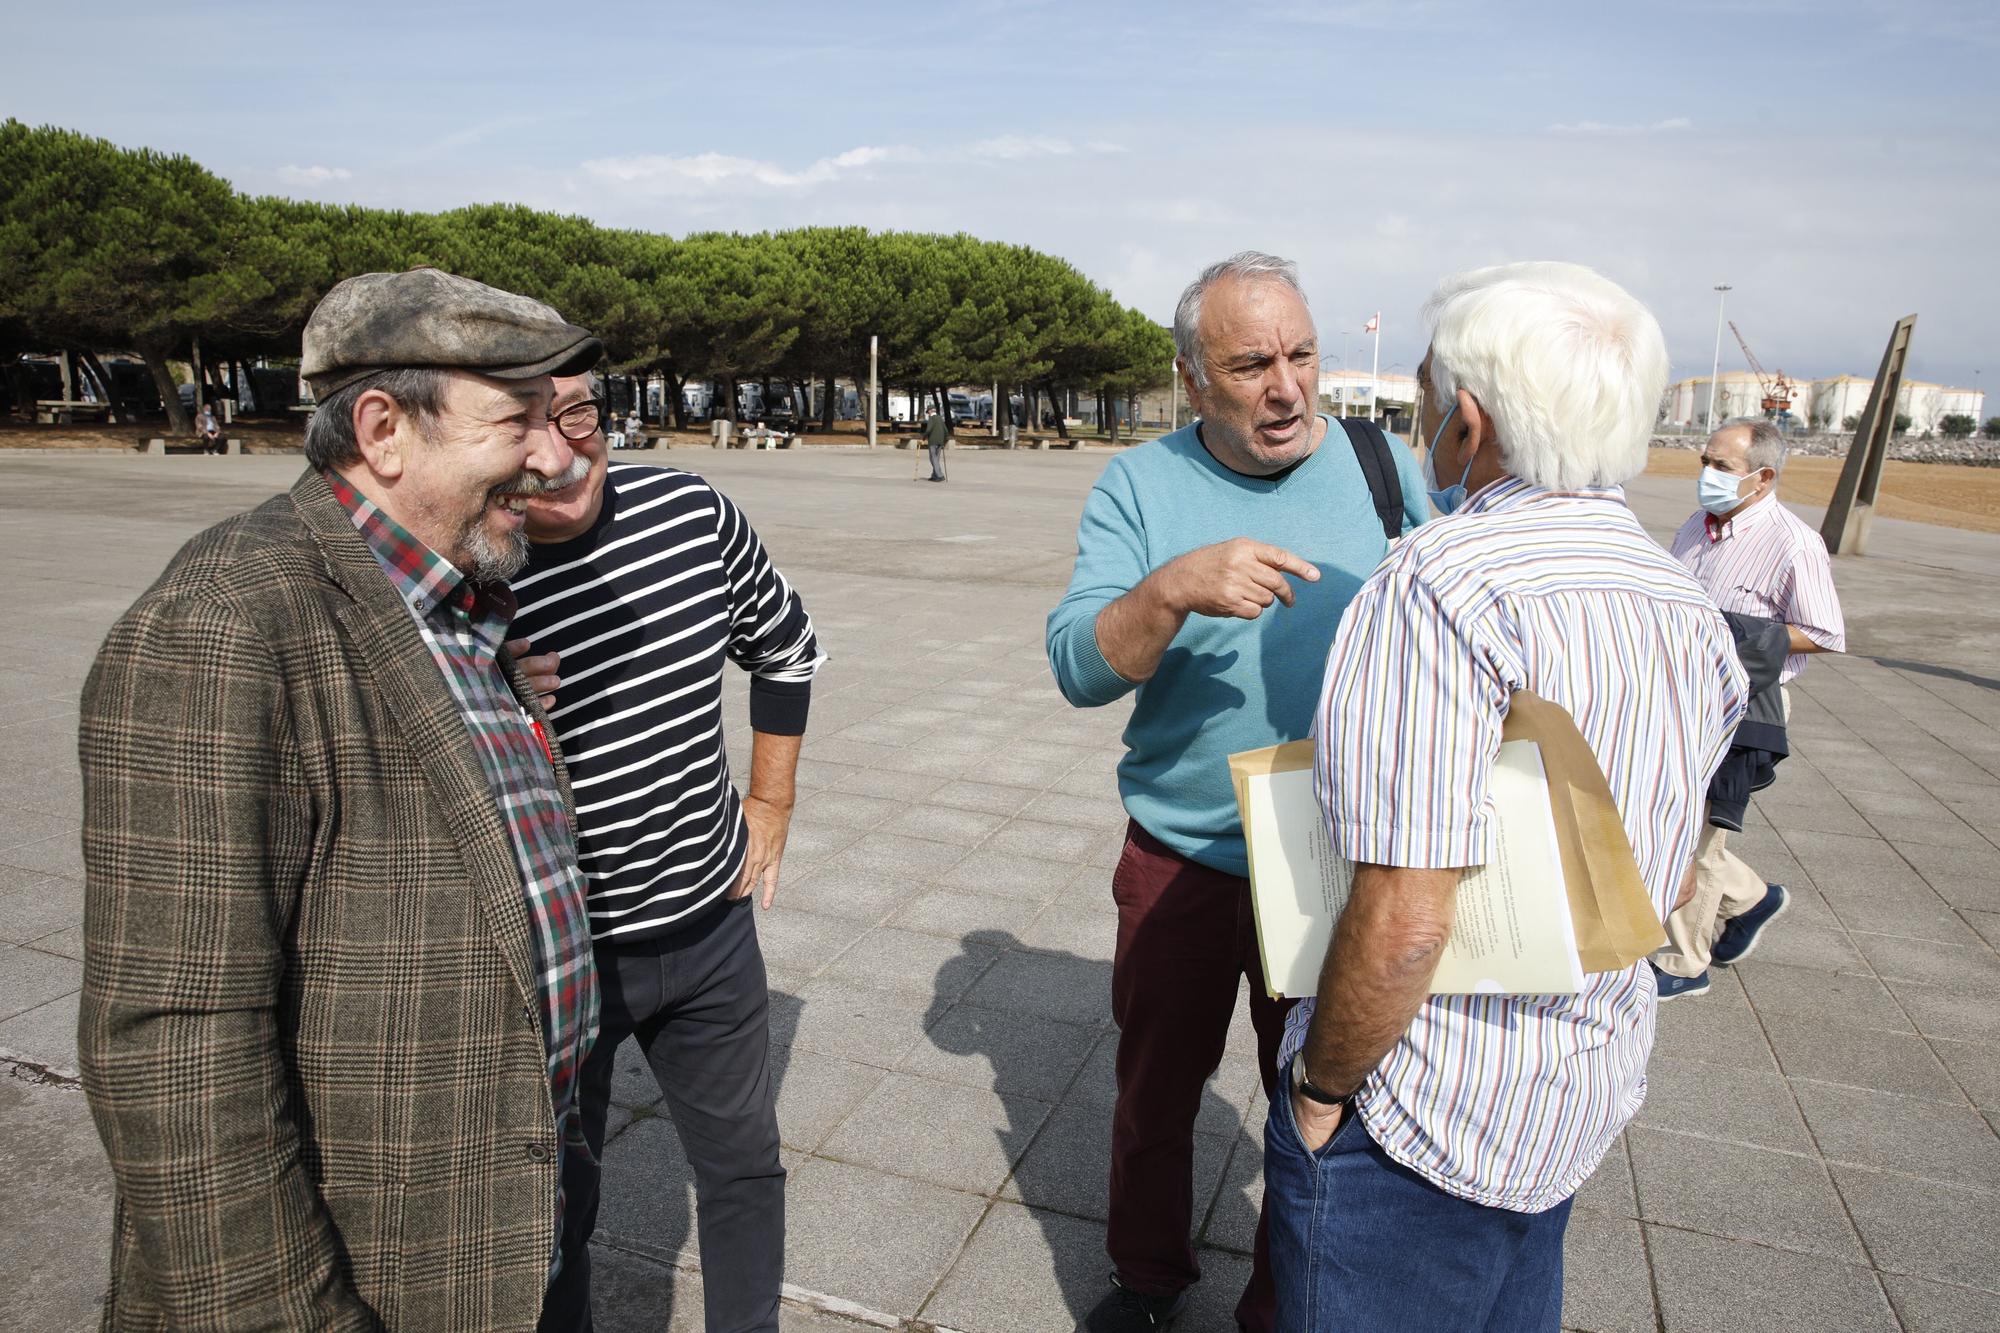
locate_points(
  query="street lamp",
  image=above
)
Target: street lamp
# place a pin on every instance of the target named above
(1722, 294)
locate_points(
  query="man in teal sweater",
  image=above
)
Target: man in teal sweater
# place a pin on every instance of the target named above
(1212, 568)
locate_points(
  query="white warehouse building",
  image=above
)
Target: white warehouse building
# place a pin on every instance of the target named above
(1819, 405)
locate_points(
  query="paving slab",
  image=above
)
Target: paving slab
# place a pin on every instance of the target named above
(1710, 1029)
(1759, 1110)
(1971, 969)
(1239, 1197)
(44, 1037)
(1922, 1228)
(1934, 1307)
(882, 1241)
(1708, 1284)
(1782, 1200)
(1778, 989)
(1948, 1013)
(55, 1224)
(946, 1133)
(1610, 1189)
(1975, 1065)
(816, 1094)
(30, 978)
(1905, 1134)
(1861, 1057)
(1024, 1271)
(954, 913)
(1602, 1256)
(646, 1200)
(1002, 1051)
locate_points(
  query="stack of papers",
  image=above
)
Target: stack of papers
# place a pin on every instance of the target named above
(1512, 933)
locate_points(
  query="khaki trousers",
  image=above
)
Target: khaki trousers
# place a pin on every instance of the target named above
(1724, 886)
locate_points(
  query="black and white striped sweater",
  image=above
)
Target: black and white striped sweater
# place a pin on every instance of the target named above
(645, 609)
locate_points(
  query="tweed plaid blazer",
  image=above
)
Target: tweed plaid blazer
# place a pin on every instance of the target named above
(309, 1035)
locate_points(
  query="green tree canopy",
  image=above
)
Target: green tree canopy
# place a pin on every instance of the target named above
(111, 249)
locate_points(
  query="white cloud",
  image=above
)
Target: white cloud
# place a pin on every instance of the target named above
(720, 173)
(1598, 127)
(1013, 147)
(297, 175)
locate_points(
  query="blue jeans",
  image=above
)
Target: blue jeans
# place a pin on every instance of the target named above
(1361, 1242)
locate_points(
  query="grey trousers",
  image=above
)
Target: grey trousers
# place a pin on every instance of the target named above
(699, 1009)
(937, 465)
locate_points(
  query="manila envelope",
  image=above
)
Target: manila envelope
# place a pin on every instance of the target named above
(1616, 921)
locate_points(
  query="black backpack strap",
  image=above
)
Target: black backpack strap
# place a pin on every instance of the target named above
(1378, 465)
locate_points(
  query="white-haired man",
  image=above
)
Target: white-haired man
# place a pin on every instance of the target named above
(1756, 557)
(1419, 1175)
(1211, 568)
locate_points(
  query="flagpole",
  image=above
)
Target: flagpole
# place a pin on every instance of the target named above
(1375, 375)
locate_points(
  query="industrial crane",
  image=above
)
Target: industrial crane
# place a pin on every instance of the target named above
(1777, 389)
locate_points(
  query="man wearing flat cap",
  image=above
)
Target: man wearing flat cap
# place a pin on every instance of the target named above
(338, 978)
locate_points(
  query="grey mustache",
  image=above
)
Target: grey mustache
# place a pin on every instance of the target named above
(532, 483)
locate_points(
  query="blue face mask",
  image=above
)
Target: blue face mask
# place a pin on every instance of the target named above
(1451, 497)
(1718, 491)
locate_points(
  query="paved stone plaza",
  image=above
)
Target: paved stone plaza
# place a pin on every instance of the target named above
(1818, 1149)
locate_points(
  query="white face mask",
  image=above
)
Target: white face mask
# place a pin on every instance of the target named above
(1719, 491)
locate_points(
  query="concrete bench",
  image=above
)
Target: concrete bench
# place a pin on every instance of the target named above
(157, 447)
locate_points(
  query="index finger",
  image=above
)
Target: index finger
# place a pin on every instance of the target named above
(1279, 558)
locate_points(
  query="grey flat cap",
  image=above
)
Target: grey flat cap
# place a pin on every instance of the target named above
(427, 317)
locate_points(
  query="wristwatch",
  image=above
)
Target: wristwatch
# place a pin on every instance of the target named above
(1302, 1084)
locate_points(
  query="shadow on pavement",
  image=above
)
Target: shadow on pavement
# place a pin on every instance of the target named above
(647, 1201)
(1948, 673)
(1061, 1153)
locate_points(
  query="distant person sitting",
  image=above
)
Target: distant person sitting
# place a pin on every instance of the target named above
(1755, 557)
(210, 431)
(635, 430)
(937, 431)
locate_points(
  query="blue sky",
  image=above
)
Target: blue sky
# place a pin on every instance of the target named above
(1836, 162)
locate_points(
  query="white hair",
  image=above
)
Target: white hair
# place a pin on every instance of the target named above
(1246, 265)
(1567, 364)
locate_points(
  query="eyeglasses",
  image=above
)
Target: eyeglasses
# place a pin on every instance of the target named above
(579, 421)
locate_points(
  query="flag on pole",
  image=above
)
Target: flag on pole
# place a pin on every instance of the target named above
(1374, 324)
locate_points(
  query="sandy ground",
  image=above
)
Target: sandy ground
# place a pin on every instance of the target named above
(1948, 494)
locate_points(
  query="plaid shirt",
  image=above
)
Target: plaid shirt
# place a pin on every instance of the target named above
(464, 627)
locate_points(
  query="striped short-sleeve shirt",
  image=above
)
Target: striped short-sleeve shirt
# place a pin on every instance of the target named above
(1511, 1101)
(1767, 562)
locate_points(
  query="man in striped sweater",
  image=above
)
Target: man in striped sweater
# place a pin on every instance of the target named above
(643, 584)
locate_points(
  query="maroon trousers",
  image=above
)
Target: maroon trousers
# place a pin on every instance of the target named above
(1185, 937)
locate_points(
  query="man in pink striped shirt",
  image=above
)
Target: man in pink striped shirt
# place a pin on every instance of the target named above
(1754, 556)
(1419, 1176)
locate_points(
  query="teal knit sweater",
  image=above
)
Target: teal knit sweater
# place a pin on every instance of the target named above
(1224, 685)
